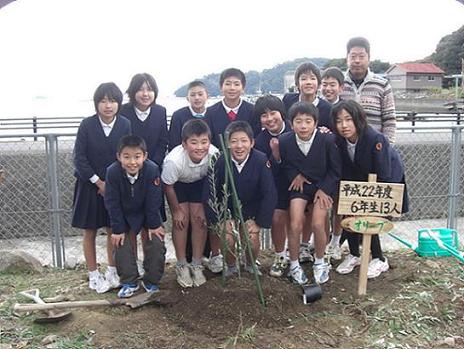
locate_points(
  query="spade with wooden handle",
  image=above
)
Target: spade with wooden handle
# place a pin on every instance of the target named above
(133, 302)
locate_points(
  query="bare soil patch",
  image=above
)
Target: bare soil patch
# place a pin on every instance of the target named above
(417, 304)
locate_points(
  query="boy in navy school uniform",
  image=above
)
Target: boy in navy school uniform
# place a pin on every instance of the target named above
(232, 107)
(133, 197)
(184, 173)
(271, 112)
(197, 95)
(312, 164)
(255, 188)
(307, 81)
(332, 84)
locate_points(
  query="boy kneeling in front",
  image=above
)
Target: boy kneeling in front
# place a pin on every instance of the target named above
(133, 198)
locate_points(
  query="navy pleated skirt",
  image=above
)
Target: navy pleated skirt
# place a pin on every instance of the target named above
(89, 210)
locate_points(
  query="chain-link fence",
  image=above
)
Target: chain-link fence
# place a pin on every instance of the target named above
(37, 191)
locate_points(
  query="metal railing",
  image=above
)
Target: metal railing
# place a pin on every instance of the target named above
(70, 124)
(37, 190)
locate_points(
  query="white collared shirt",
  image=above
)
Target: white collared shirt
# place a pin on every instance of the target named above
(131, 178)
(305, 146)
(351, 148)
(107, 127)
(142, 115)
(197, 115)
(228, 109)
(238, 166)
(178, 167)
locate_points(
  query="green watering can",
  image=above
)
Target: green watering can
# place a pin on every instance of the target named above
(436, 242)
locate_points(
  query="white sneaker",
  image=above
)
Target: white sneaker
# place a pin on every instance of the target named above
(183, 275)
(321, 273)
(349, 263)
(198, 277)
(279, 266)
(113, 278)
(140, 268)
(99, 284)
(306, 254)
(377, 267)
(215, 264)
(333, 252)
(297, 275)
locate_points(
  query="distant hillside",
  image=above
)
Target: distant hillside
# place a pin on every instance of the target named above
(269, 80)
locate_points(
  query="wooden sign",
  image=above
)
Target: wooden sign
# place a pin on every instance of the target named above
(370, 199)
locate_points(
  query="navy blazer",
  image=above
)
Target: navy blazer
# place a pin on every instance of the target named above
(217, 120)
(262, 144)
(154, 130)
(133, 206)
(321, 166)
(93, 151)
(255, 188)
(179, 118)
(324, 108)
(373, 154)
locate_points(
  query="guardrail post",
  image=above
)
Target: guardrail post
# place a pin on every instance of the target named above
(52, 151)
(34, 126)
(453, 195)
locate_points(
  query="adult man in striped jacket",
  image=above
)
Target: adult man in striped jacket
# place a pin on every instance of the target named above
(372, 91)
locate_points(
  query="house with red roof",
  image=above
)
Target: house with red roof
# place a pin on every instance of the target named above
(414, 77)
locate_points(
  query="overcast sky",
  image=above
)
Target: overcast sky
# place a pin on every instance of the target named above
(65, 48)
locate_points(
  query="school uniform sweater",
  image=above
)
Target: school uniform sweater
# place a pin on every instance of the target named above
(217, 120)
(93, 151)
(179, 118)
(133, 206)
(376, 96)
(153, 130)
(322, 106)
(373, 154)
(321, 166)
(255, 188)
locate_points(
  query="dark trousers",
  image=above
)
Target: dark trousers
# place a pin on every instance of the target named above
(353, 242)
(153, 262)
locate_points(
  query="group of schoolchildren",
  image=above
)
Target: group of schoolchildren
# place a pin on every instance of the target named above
(288, 157)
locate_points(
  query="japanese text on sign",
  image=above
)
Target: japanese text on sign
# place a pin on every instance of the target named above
(370, 198)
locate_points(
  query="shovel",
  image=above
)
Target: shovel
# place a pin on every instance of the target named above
(133, 302)
(51, 315)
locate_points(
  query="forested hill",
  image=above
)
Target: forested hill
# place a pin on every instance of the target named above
(272, 80)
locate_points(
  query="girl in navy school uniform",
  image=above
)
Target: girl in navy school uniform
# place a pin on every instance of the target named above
(148, 121)
(271, 111)
(364, 150)
(94, 150)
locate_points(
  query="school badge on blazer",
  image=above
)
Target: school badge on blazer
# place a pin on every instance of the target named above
(156, 181)
(378, 146)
